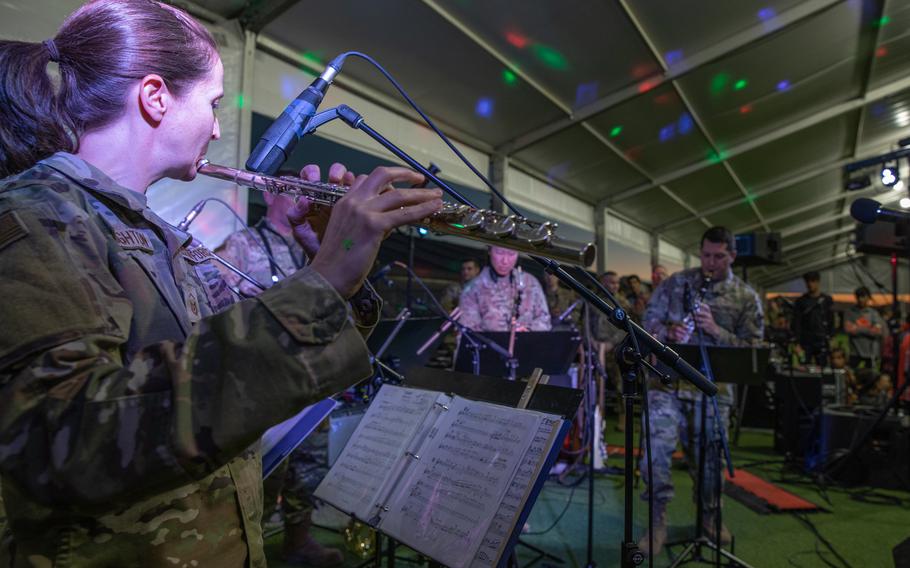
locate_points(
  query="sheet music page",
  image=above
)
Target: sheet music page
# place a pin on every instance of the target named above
(445, 503)
(497, 536)
(364, 468)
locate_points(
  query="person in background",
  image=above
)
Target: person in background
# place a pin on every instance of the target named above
(839, 363)
(268, 252)
(470, 268)
(659, 273)
(865, 328)
(502, 297)
(609, 337)
(813, 321)
(638, 297)
(560, 299)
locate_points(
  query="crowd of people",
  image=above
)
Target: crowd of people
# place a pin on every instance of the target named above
(812, 332)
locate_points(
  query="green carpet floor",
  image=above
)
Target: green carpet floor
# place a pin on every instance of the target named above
(861, 525)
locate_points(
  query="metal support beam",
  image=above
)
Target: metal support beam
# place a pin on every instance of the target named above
(655, 53)
(782, 184)
(499, 173)
(839, 232)
(800, 13)
(815, 222)
(812, 206)
(778, 277)
(600, 236)
(772, 136)
(257, 14)
(542, 90)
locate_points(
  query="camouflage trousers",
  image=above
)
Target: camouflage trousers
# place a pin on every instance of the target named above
(296, 479)
(674, 419)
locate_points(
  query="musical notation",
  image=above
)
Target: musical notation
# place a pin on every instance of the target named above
(467, 465)
(377, 445)
(513, 501)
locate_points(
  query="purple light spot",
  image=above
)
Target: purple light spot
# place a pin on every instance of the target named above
(766, 14)
(667, 132)
(586, 93)
(783, 85)
(685, 123)
(673, 57)
(484, 107)
(558, 172)
(877, 109)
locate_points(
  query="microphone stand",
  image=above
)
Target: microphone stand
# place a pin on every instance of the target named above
(718, 445)
(638, 346)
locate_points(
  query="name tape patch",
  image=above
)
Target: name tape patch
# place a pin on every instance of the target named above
(131, 239)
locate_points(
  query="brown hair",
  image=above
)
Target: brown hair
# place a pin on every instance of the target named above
(101, 49)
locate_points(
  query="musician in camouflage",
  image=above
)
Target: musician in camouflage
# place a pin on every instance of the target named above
(559, 300)
(269, 253)
(729, 314)
(470, 268)
(502, 293)
(134, 389)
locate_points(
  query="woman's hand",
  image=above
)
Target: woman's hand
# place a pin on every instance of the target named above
(309, 219)
(361, 220)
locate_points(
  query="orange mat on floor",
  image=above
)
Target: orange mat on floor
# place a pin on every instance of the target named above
(748, 487)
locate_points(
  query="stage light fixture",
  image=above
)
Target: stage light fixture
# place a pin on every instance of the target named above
(905, 202)
(890, 176)
(898, 186)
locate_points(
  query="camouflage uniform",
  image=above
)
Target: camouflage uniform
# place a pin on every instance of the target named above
(488, 302)
(451, 295)
(558, 301)
(606, 332)
(130, 412)
(247, 251)
(675, 411)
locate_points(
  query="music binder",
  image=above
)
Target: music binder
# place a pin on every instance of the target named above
(450, 477)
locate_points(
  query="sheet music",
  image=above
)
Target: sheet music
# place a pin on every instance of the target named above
(446, 503)
(513, 502)
(356, 481)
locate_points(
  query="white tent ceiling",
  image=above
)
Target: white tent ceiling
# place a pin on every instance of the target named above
(678, 114)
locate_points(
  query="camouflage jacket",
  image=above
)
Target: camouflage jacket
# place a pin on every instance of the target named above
(451, 295)
(134, 390)
(488, 302)
(247, 251)
(558, 301)
(734, 305)
(605, 331)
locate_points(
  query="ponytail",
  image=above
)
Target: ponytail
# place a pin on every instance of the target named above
(32, 127)
(102, 49)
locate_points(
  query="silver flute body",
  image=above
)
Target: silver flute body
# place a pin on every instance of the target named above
(497, 229)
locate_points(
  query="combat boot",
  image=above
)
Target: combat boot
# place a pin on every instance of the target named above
(660, 533)
(709, 525)
(301, 549)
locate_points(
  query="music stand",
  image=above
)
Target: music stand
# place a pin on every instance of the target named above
(739, 365)
(551, 351)
(401, 354)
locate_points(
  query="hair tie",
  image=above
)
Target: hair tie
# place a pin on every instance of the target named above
(51, 48)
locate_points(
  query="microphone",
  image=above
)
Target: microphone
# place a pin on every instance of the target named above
(191, 216)
(867, 210)
(276, 145)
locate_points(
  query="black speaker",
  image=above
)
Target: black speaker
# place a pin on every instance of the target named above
(754, 249)
(882, 238)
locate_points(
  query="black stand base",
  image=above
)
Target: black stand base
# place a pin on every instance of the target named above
(541, 554)
(693, 553)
